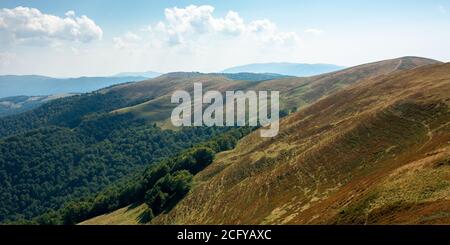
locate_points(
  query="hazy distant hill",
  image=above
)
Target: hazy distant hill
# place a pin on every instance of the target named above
(252, 77)
(291, 69)
(32, 85)
(18, 104)
(147, 74)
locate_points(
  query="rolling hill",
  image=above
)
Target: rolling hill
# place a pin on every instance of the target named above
(376, 152)
(290, 69)
(295, 92)
(370, 145)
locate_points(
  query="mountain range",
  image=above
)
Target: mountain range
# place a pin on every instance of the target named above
(32, 85)
(284, 68)
(147, 74)
(373, 149)
(44, 87)
(363, 145)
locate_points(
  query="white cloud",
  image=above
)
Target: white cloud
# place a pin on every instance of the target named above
(199, 19)
(268, 32)
(194, 38)
(260, 26)
(231, 24)
(23, 24)
(128, 40)
(182, 25)
(70, 13)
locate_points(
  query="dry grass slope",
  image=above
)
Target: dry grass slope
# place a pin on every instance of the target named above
(370, 146)
(294, 92)
(376, 152)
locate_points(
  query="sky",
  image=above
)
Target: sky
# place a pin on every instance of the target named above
(106, 37)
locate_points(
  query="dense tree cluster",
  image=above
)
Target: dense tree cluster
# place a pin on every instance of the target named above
(161, 185)
(43, 168)
(168, 191)
(72, 148)
(64, 112)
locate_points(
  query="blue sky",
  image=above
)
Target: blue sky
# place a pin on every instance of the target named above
(115, 36)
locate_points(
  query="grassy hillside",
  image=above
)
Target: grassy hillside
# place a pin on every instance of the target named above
(320, 150)
(294, 92)
(129, 215)
(376, 152)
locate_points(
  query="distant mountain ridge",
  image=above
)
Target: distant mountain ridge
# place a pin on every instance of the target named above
(285, 68)
(33, 85)
(27, 100)
(241, 76)
(147, 74)
(252, 77)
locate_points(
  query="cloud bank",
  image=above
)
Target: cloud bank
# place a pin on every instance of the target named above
(189, 25)
(29, 25)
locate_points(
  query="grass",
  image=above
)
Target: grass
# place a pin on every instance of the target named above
(130, 215)
(373, 152)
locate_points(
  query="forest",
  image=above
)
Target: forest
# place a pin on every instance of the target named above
(160, 185)
(72, 148)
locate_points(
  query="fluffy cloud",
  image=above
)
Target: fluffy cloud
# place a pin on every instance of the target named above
(23, 24)
(267, 31)
(182, 25)
(126, 41)
(195, 38)
(193, 19)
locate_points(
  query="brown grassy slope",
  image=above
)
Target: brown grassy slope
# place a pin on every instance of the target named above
(294, 92)
(377, 152)
(298, 92)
